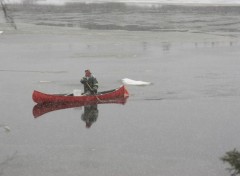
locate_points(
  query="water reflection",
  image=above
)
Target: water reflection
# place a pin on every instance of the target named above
(89, 115)
(215, 44)
(233, 159)
(166, 46)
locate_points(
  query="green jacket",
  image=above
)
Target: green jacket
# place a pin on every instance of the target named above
(90, 84)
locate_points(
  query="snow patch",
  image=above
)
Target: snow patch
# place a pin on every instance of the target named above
(128, 81)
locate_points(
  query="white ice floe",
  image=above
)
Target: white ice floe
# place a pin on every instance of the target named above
(1, 32)
(128, 81)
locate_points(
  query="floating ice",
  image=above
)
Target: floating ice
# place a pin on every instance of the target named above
(128, 81)
(1, 32)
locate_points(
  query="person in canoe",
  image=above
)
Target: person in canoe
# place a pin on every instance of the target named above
(90, 83)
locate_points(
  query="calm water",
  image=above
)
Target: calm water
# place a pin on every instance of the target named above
(180, 125)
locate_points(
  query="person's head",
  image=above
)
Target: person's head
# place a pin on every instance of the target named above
(88, 73)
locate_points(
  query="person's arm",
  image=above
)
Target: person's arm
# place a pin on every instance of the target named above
(83, 80)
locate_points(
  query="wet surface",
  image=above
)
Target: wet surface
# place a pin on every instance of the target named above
(186, 119)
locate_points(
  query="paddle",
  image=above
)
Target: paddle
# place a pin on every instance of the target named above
(93, 92)
(90, 87)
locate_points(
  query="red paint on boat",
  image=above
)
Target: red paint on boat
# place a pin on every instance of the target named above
(119, 93)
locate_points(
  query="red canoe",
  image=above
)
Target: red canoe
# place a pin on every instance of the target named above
(118, 93)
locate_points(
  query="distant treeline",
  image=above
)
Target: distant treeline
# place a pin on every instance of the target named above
(123, 7)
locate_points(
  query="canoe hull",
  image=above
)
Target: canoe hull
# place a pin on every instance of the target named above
(119, 93)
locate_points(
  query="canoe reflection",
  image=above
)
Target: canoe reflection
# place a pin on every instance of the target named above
(90, 108)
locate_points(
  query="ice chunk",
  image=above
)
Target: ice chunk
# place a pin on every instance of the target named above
(128, 81)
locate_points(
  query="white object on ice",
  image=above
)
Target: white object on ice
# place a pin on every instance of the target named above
(128, 81)
(77, 92)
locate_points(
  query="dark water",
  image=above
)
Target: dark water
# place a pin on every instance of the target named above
(221, 20)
